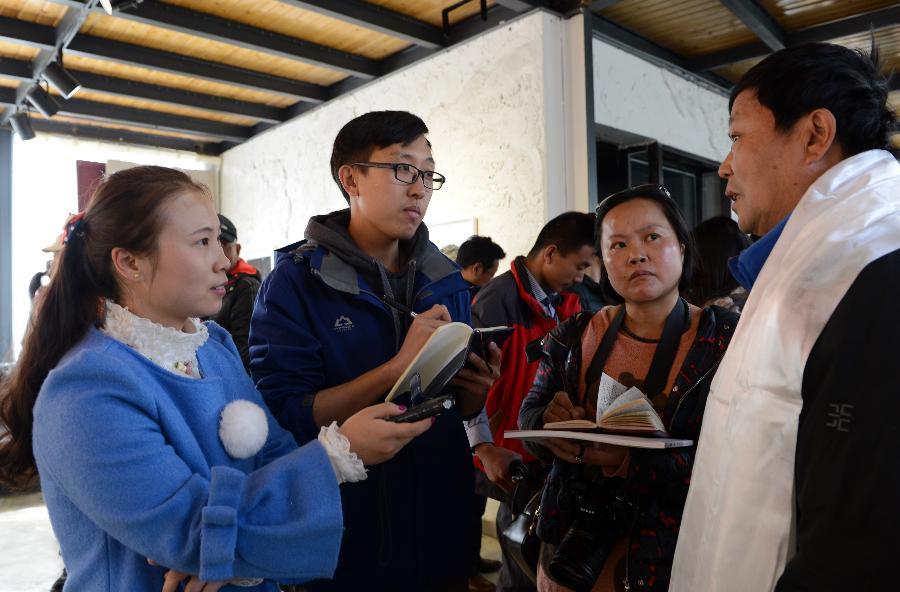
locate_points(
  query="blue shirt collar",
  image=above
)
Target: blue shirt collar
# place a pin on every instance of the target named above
(746, 267)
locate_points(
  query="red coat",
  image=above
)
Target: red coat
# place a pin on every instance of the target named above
(507, 300)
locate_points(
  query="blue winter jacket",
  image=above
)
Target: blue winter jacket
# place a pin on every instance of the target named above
(317, 324)
(132, 468)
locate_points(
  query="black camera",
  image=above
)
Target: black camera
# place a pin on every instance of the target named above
(602, 513)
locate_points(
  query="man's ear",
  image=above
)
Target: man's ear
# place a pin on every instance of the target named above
(237, 249)
(548, 252)
(347, 175)
(820, 129)
(477, 269)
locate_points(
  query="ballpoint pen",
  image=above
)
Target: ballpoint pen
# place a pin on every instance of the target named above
(398, 306)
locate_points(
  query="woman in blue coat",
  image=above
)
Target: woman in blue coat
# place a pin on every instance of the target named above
(155, 452)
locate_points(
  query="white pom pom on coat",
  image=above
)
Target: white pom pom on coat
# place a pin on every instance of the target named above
(243, 428)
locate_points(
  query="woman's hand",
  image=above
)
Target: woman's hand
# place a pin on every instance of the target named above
(173, 578)
(561, 408)
(375, 440)
(474, 384)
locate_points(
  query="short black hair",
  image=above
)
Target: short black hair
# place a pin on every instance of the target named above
(479, 249)
(797, 80)
(369, 132)
(660, 195)
(569, 232)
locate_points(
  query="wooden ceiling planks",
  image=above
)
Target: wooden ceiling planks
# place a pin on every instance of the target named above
(688, 27)
(33, 11)
(135, 33)
(799, 14)
(282, 18)
(431, 11)
(101, 97)
(120, 126)
(150, 76)
(19, 52)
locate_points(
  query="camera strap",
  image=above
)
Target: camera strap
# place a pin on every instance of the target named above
(677, 323)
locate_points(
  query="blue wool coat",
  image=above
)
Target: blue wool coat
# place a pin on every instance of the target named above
(317, 324)
(132, 468)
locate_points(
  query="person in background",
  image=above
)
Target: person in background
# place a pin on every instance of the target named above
(718, 240)
(332, 332)
(152, 446)
(795, 486)
(240, 291)
(531, 297)
(654, 341)
(590, 289)
(479, 258)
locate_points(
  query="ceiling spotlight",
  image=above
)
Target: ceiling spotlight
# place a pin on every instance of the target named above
(21, 125)
(42, 101)
(61, 80)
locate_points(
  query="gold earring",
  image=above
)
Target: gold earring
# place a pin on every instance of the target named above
(137, 276)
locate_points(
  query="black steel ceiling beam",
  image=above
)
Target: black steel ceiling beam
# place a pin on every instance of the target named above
(632, 42)
(155, 120)
(200, 24)
(759, 21)
(598, 5)
(8, 97)
(16, 69)
(120, 87)
(25, 33)
(459, 32)
(126, 136)
(853, 25)
(376, 18)
(177, 97)
(145, 57)
(151, 119)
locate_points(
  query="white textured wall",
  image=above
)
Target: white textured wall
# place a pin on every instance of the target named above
(45, 192)
(485, 102)
(633, 95)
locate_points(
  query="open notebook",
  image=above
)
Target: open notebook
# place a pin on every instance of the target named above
(442, 356)
(625, 417)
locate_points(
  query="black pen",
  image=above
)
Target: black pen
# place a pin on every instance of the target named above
(399, 307)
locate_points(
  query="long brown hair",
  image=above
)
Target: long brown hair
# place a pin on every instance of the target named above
(126, 211)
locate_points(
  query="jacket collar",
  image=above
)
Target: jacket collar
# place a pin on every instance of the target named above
(746, 266)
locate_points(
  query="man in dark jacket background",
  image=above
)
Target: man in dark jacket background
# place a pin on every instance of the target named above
(531, 297)
(240, 291)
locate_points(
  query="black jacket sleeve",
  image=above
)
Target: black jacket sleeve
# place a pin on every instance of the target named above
(240, 313)
(847, 476)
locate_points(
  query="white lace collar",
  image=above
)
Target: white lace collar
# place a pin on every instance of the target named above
(174, 350)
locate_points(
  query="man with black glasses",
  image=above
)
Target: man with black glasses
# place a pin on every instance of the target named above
(325, 343)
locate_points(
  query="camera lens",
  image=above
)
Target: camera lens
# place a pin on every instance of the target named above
(580, 556)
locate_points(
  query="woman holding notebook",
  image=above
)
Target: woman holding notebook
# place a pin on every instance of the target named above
(609, 515)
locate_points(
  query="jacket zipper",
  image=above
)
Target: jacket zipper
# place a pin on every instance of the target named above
(690, 390)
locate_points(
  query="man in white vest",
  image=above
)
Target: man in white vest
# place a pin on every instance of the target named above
(796, 484)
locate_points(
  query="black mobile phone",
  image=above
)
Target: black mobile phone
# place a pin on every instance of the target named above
(429, 408)
(481, 339)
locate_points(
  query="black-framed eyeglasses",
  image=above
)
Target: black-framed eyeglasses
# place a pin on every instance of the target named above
(408, 174)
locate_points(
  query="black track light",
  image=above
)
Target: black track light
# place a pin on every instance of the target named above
(42, 101)
(21, 125)
(61, 80)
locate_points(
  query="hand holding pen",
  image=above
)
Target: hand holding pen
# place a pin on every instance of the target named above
(423, 325)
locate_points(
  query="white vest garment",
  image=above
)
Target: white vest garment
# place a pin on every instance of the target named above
(736, 534)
